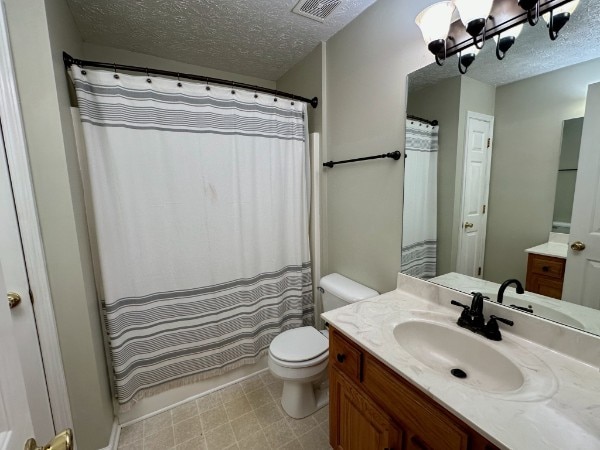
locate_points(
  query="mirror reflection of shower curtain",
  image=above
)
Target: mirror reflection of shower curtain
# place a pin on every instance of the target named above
(419, 225)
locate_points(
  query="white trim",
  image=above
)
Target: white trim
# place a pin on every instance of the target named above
(113, 443)
(18, 162)
(315, 221)
(193, 397)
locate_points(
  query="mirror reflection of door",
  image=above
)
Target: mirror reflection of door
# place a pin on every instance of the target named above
(582, 278)
(478, 158)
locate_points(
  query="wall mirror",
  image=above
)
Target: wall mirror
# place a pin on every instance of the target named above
(490, 172)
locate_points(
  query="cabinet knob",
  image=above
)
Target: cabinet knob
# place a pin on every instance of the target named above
(545, 269)
(341, 357)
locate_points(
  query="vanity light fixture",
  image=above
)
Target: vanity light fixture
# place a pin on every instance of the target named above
(464, 37)
(434, 23)
(466, 59)
(474, 15)
(558, 18)
(533, 10)
(506, 40)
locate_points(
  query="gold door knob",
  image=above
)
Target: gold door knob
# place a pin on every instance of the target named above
(468, 225)
(13, 299)
(62, 441)
(577, 246)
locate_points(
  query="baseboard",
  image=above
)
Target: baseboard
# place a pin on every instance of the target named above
(114, 436)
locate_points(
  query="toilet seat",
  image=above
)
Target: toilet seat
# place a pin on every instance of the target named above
(299, 347)
(301, 364)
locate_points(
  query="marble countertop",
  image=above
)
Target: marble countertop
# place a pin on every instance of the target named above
(557, 246)
(550, 249)
(561, 311)
(558, 407)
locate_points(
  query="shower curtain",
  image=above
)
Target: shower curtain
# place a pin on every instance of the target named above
(419, 225)
(200, 208)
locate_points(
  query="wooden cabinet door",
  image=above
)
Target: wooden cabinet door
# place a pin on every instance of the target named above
(356, 423)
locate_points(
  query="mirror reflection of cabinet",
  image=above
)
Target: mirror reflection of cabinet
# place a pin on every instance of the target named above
(545, 275)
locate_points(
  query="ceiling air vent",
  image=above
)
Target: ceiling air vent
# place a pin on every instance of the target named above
(316, 9)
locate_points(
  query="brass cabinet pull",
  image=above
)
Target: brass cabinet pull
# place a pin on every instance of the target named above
(62, 441)
(468, 225)
(577, 246)
(13, 299)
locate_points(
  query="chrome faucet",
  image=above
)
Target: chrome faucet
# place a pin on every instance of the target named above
(507, 283)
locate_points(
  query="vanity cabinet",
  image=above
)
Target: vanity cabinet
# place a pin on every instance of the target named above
(545, 275)
(373, 408)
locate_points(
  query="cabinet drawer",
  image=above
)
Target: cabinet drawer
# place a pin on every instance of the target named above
(345, 356)
(547, 266)
(431, 427)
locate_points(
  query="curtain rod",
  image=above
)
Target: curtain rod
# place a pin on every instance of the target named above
(433, 123)
(69, 61)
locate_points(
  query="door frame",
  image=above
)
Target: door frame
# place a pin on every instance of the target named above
(25, 205)
(490, 119)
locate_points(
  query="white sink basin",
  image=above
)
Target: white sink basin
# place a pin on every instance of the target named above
(442, 349)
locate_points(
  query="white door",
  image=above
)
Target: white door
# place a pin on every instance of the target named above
(582, 277)
(22, 314)
(475, 191)
(15, 418)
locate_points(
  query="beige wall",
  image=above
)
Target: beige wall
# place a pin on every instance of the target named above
(367, 65)
(441, 102)
(527, 139)
(45, 102)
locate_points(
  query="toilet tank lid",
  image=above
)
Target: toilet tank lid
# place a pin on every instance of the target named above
(345, 288)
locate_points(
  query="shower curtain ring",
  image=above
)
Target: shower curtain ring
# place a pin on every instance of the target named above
(116, 75)
(207, 86)
(148, 75)
(178, 81)
(232, 86)
(275, 99)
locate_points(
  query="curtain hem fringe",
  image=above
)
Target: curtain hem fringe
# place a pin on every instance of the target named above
(190, 379)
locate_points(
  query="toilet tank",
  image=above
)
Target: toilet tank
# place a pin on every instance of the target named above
(340, 291)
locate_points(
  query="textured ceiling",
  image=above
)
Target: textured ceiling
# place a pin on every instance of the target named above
(260, 38)
(533, 53)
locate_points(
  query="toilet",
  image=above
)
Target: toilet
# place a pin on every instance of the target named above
(299, 356)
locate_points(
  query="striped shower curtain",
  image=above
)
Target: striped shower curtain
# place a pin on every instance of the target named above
(419, 224)
(200, 210)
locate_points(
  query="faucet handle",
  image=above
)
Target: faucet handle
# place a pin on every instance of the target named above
(492, 330)
(500, 319)
(465, 307)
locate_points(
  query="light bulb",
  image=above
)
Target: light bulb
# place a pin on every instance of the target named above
(434, 21)
(566, 8)
(471, 10)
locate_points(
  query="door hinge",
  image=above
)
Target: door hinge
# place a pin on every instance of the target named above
(484, 209)
(489, 143)
(479, 272)
(31, 296)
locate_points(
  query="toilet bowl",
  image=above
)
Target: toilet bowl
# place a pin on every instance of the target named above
(299, 356)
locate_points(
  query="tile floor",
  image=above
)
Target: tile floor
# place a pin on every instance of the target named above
(245, 416)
